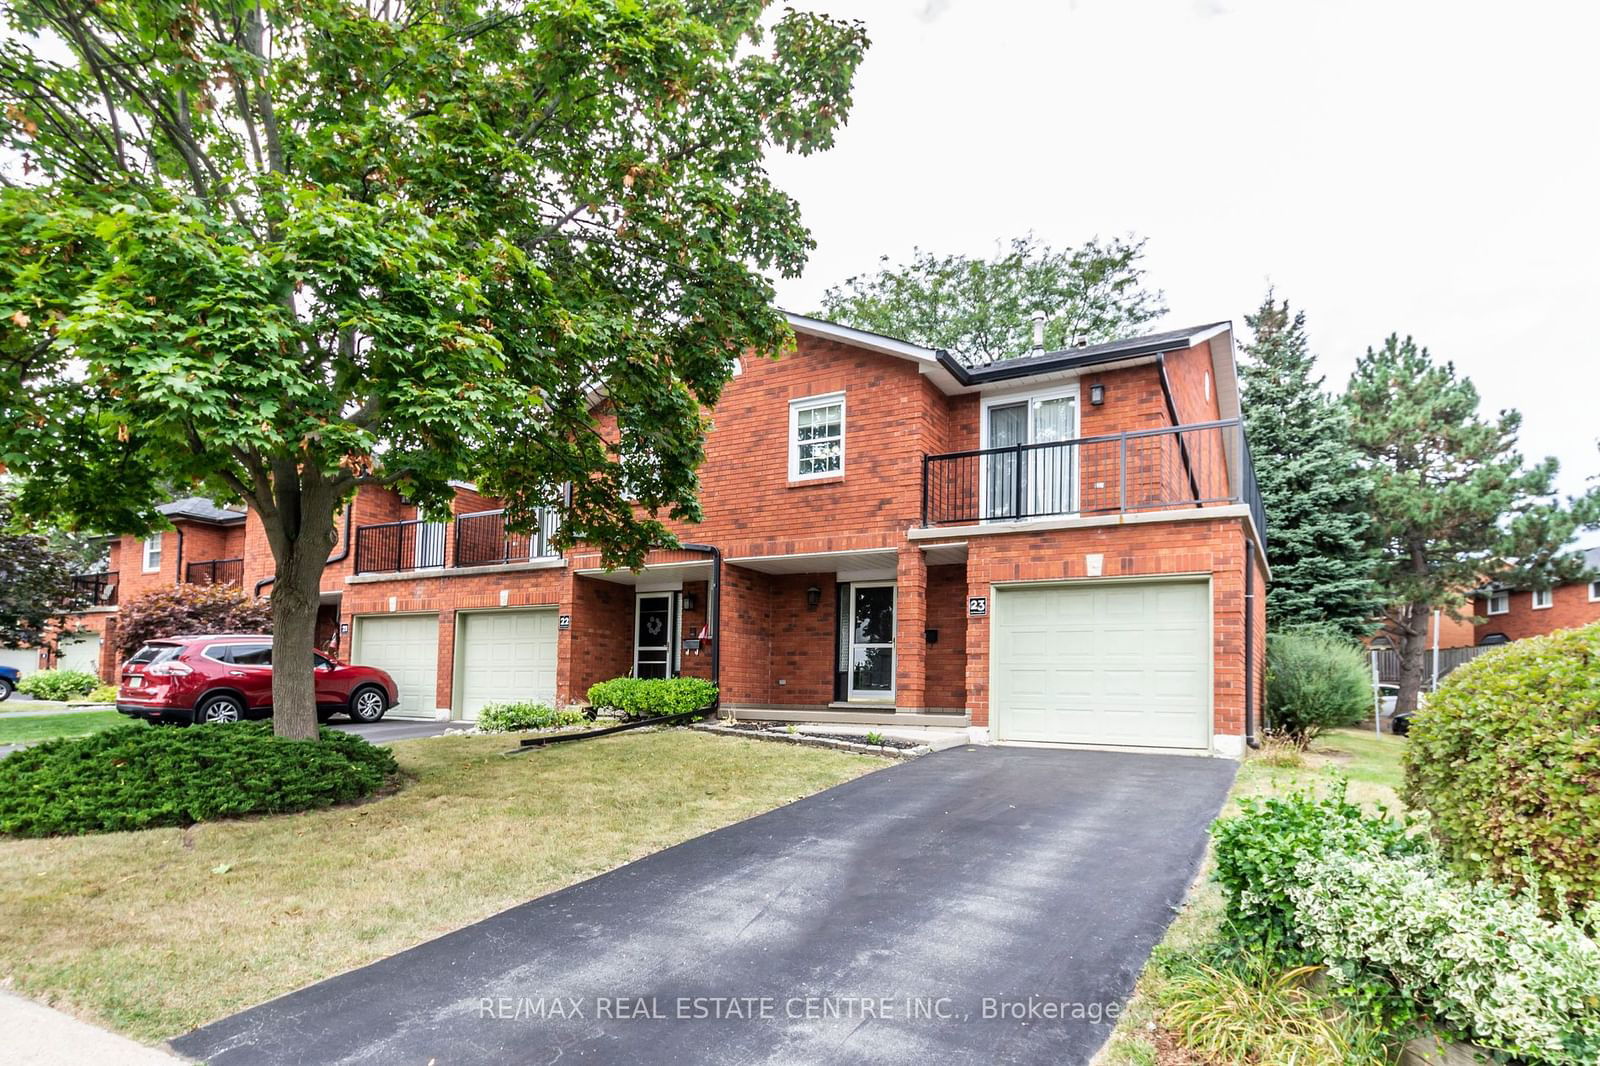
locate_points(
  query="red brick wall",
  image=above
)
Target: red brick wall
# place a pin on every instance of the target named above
(599, 646)
(947, 660)
(1214, 547)
(1572, 607)
(802, 640)
(746, 636)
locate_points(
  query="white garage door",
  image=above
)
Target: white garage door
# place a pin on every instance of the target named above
(1108, 664)
(80, 653)
(406, 645)
(506, 657)
(24, 659)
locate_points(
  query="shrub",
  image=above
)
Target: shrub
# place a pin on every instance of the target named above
(58, 684)
(652, 697)
(1258, 851)
(1506, 759)
(507, 717)
(142, 776)
(1486, 966)
(186, 609)
(103, 694)
(1316, 680)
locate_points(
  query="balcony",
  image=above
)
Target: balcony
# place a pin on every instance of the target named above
(100, 590)
(215, 572)
(478, 539)
(1177, 467)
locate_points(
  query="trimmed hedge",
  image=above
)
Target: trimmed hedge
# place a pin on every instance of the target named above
(1316, 680)
(58, 684)
(509, 717)
(142, 776)
(652, 697)
(1506, 759)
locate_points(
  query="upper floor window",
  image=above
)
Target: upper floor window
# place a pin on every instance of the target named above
(1543, 598)
(152, 553)
(1499, 602)
(816, 437)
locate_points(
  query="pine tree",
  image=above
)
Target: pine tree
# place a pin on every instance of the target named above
(1307, 469)
(1453, 504)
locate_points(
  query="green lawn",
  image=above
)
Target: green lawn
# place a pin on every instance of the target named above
(155, 932)
(1371, 765)
(44, 726)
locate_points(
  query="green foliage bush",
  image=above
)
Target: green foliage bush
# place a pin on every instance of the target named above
(189, 609)
(1257, 852)
(103, 694)
(58, 684)
(652, 697)
(1317, 881)
(1316, 680)
(507, 717)
(1506, 760)
(141, 776)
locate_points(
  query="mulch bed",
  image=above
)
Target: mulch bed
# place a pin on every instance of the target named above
(898, 743)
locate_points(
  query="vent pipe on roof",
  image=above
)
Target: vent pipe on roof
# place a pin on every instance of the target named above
(1038, 331)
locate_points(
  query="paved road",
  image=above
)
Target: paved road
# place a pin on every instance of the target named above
(1033, 882)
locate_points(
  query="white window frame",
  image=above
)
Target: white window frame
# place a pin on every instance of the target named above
(1594, 592)
(1031, 398)
(1503, 598)
(1549, 599)
(152, 541)
(810, 403)
(852, 694)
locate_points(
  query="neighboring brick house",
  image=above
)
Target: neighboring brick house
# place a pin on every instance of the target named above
(1510, 614)
(1064, 547)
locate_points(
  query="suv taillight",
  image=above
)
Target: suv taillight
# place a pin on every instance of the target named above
(169, 669)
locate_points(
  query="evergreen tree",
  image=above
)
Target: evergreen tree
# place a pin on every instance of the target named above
(1307, 469)
(1453, 503)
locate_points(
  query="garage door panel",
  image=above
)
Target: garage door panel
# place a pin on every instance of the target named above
(1103, 665)
(407, 646)
(80, 653)
(506, 657)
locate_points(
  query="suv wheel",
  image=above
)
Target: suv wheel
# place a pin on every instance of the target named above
(5, 690)
(368, 704)
(221, 709)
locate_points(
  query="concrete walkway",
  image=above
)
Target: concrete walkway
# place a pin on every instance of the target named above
(45, 712)
(32, 1034)
(977, 905)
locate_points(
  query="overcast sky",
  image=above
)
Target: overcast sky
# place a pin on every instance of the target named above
(1389, 165)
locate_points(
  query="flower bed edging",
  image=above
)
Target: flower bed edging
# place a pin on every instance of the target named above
(815, 742)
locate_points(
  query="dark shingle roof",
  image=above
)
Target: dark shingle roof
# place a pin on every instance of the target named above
(1071, 358)
(199, 509)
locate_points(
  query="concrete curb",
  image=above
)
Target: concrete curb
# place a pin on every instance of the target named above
(36, 1035)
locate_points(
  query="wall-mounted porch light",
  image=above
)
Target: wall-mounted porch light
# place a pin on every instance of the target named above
(688, 601)
(1097, 395)
(813, 596)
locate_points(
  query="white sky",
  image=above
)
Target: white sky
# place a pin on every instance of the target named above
(1390, 165)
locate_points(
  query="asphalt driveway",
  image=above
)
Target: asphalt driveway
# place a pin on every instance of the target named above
(978, 905)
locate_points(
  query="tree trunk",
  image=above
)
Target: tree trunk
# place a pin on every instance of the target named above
(294, 625)
(1411, 642)
(301, 539)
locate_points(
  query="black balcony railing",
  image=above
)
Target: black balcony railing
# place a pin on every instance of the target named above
(1206, 464)
(482, 539)
(215, 572)
(479, 539)
(100, 590)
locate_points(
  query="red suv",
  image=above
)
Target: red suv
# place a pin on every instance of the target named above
(224, 678)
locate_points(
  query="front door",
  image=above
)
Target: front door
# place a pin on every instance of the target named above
(871, 632)
(654, 635)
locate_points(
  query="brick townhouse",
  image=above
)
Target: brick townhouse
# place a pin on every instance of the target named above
(1507, 614)
(1063, 547)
